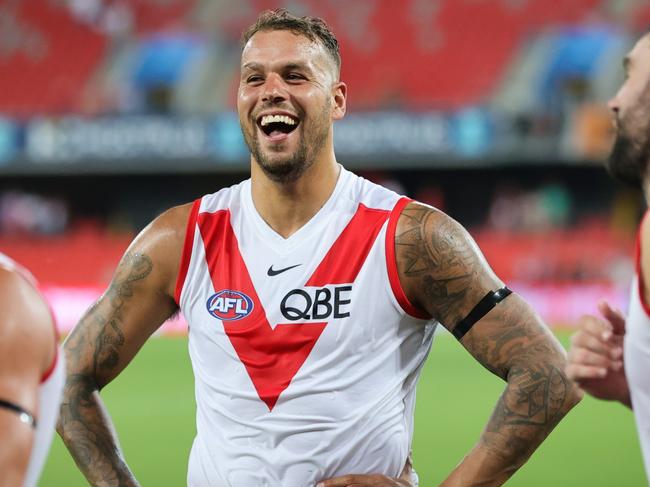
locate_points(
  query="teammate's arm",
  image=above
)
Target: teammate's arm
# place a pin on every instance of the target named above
(138, 301)
(26, 352)
(443, 272)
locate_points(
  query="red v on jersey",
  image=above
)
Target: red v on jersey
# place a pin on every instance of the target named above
(273, 356)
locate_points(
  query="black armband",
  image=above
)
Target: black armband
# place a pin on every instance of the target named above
(490, 300)
(24, 416)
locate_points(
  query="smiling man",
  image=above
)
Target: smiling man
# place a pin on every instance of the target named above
(312, 296)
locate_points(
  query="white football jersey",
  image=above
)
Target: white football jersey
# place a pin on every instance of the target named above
(637, 359)
(305, 350)
(49, 395)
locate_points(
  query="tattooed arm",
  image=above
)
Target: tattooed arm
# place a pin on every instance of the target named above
(138, 301)
(443, 272)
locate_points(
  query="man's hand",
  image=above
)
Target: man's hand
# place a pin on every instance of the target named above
(404, 480)
(596, 356)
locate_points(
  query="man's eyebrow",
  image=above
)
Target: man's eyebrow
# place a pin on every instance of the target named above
(297, 65)
(253, 66)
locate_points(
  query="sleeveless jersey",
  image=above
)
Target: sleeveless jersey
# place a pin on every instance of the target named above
(49, 395)
(305, 350)
(637, 358)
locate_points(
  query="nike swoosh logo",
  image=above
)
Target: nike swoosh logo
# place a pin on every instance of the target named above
(272, 272)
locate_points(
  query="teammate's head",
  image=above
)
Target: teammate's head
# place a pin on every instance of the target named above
(631, 107)
(289, 92)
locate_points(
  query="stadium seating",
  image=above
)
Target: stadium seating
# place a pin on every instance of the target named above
(458, 51)
(46, 58)
(156, 15)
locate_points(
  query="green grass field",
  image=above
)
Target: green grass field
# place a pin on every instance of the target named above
(152, 404)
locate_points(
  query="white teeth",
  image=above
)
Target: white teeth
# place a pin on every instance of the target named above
(267, 119)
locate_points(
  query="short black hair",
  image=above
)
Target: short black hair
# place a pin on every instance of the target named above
(313, 28)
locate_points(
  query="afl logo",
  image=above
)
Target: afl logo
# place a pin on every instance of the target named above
(229, 305)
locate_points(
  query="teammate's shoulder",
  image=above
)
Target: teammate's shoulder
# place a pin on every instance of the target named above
(16, 282)
(24, 310)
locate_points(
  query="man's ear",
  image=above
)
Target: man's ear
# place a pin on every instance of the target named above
(340, 94)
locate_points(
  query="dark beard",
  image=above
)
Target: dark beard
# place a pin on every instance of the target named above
(312, 141)
(628, 160)
(287, 170)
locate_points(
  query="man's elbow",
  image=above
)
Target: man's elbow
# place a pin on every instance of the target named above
(564, 389)
(76, 396)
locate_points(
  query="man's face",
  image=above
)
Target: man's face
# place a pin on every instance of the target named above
(631, 108)
(288, 96)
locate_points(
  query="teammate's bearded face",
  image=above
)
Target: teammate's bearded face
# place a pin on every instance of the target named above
(630, 156)
(288, 96)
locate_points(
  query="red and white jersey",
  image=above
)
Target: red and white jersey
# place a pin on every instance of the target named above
(305, 350)
(49, 395)
(637, 358)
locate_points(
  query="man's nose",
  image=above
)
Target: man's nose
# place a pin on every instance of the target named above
(274, 91)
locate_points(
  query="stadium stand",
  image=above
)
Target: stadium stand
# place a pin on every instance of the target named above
(46, 58)
(156, 15)
(447, 67)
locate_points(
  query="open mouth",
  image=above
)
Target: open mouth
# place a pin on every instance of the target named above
(277, 125)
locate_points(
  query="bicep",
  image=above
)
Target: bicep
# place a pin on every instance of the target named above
(445, 273)
(441, 268)
(112, 331)
(138, 301)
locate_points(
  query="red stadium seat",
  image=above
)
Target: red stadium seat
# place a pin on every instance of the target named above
(444, 54)
(49, 61)
(155, 15)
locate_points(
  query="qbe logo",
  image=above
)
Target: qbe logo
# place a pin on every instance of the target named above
(229, 305)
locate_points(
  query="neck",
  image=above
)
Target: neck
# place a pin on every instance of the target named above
(286, 207)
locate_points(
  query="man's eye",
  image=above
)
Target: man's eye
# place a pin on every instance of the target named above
(295, 76)
(253, 79)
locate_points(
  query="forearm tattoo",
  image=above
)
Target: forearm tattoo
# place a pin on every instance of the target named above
(538, 393)
(83, 424)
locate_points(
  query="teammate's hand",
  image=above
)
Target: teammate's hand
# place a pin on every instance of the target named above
(404, 479)
(596, 355)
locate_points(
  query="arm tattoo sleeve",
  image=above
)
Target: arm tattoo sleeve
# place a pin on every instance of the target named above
(97, 342)
(445, 273)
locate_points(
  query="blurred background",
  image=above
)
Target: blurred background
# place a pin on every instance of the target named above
(492, 110)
